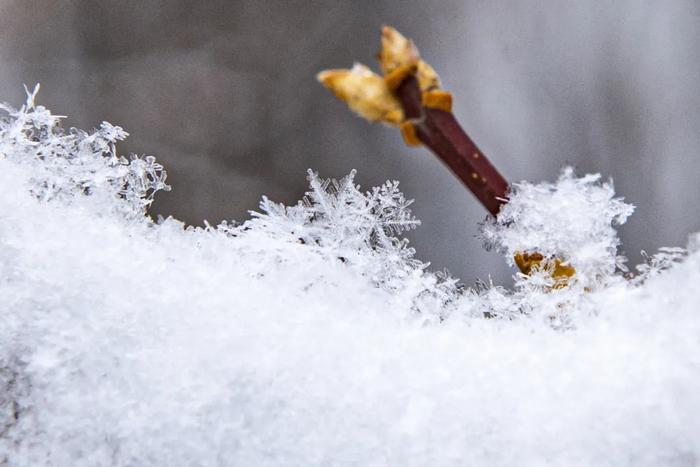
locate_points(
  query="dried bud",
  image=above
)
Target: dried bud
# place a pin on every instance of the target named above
(428, 79)
(408, 132)
(373, 98)
(397, 51)
(437, 99)
(530, 262)
(365, 92)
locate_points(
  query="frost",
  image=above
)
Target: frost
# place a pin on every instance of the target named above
(77, 162)
(339, 222)
(311, 334)
(573, 219)
(655, 264)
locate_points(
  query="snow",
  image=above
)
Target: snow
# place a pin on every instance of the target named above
(573, 219)
(310, 334)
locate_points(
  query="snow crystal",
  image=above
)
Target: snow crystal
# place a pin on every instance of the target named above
(310, 334)
(77, 162)
(573, 220)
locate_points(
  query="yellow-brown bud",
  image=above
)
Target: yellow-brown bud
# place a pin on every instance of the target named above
(397, 51)
(560, 271)
(365, 92)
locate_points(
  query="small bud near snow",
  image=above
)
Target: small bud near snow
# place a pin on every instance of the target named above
(574, 220)
(365, 92)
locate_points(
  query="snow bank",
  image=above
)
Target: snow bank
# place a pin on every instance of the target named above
(309, 335)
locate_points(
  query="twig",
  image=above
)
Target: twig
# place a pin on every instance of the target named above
(408, 95)
(440, 131)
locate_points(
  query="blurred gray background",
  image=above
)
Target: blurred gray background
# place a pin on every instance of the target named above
(223, 93)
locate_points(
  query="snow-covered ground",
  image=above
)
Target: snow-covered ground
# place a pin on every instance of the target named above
(309, 335)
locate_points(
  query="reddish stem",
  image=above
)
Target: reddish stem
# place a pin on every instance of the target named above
(440, 131)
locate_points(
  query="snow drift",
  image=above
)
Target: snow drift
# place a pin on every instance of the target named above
(310, 335)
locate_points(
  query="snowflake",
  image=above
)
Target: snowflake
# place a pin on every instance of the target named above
(75, 161)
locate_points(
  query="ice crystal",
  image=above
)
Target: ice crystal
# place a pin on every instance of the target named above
(311, 335)
(573, 219)
(339, 222)
(76, 161)
(655, 264)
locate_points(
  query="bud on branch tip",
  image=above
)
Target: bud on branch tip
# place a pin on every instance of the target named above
(409, 95)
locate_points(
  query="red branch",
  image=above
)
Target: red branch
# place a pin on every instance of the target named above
(440, 131)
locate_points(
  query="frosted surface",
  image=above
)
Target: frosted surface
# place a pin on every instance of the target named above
(309, 335)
